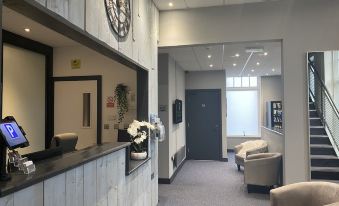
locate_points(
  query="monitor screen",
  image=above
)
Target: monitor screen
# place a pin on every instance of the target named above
(12, 135)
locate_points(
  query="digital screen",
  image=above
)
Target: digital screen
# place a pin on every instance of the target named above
(12, 134)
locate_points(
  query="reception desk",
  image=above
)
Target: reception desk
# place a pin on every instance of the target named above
(100, 175)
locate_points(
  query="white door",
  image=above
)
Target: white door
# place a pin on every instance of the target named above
(75, 110)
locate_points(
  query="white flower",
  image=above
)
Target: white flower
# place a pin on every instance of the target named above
(134, 131)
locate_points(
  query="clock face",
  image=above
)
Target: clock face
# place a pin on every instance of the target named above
(119, 14)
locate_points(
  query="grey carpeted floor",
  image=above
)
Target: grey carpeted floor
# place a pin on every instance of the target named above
(211, 183)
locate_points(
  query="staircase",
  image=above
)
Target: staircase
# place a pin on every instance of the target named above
(324, 161)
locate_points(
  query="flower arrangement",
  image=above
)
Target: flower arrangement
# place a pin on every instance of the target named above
(138, 131)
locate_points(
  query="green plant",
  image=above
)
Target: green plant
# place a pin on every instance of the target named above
(120, 96)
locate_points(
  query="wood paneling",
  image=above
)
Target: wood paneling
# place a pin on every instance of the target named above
(55, 191)
(30, 196)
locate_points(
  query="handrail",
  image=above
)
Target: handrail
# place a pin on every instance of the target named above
(325, 89)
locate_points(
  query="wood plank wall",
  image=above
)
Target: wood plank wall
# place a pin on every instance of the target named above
(101, 182)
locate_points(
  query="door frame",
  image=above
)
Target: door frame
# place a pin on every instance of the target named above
(97, 78)
(218, 91)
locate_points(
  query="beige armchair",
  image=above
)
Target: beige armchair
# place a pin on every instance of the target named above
(263, 169)
(306, 193)
(247, 148)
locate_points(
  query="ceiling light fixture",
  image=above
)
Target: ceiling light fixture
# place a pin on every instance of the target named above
(27, 29)
(211, 65)
(209, 56)
(234, 64)
(252, 70)
(258, 63)
(170, 4)
(237, 55)
(273, 70)
(266, 74)
(265, 54)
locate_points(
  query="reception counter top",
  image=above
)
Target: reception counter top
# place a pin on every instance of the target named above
(52, 167)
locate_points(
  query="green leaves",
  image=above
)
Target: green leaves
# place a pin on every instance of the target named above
(120, 96)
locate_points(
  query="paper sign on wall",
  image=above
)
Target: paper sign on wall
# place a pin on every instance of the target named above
(110, 102)
(75, 63)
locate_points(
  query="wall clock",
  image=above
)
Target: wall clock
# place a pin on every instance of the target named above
(119, 15)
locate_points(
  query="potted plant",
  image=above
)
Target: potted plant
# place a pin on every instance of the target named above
(139, 134)
(120, 96)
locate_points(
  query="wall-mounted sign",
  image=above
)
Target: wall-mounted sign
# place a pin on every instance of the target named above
(110, 102)
(75, 63)
(119, 15)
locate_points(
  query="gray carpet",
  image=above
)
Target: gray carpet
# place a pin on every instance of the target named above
(211, 183)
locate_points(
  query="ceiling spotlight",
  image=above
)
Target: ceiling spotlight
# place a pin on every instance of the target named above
(258, 63)
(211, 65)
(265, 54)
(27, 29)
(209, 56)
(234, 64)
(170, 4)
(237, 55)
(273, 70)
(252, 70)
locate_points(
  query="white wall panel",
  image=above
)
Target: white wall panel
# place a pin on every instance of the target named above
(76, 12)
(7, 200)
(58, 6)
(30, 196)
(92, 18)
(55, 191)
(75, 187)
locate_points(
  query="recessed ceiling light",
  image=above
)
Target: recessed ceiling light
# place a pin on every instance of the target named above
(209, 56)
(258, 63)
(211, 65)
(237, 55)
(170, 4)
(265, 54)
(27, 29)
(266, 74)
(234, 64)
(252, 70)
(273, 70)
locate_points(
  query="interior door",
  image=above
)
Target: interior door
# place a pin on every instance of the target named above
(75, 110)
(203, 113)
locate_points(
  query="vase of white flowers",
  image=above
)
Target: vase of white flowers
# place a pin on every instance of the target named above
(139, 133)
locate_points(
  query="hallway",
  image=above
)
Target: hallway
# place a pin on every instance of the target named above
(201, 183)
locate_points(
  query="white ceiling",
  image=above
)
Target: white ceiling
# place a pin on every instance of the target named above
(195, 58)
(187, 4)
(16, 23)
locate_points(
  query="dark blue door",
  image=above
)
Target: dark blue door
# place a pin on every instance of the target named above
(203, 124)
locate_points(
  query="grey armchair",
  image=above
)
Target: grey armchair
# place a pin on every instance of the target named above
(247, 148)
(263, 169)
(66, 141)
(306, 193)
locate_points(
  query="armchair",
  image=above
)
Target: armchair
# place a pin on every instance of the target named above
(247, 148)
(306, 193)
(263, 169)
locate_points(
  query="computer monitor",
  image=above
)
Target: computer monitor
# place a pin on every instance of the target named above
(12, 134)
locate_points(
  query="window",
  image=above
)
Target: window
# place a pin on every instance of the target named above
(242, 106)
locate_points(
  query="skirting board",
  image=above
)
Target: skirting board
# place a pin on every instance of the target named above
(170, 180)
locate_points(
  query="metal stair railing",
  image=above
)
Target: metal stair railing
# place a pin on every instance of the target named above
(324, 104)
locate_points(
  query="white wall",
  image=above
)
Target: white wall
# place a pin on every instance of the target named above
(113, 73)
(24, 93)
(211, 80)
(302, 25)
(171, 87)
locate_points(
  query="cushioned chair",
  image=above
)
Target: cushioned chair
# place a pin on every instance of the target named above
(306, 193)
(247, 148)
(66, 141)
(263, 169)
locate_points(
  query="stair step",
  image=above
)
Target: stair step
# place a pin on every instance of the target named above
(317, 130)
(319, 135)
(324, 161)
(325, 173)
(322, 149)
(313, 113)
(316, 122)
(321, 146)
(320, 140)
(311, 106)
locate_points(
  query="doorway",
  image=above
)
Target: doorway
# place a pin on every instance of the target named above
(203, 128)
(77, 108)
